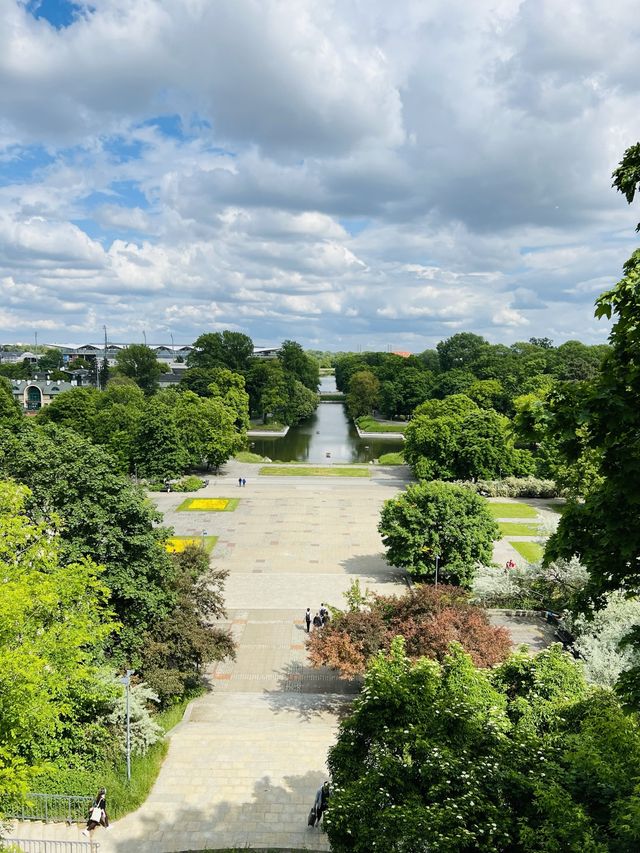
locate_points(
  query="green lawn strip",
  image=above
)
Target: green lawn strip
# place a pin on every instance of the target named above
(247, 456)
(392, 458)
(368, 424)
(531, 551)
(209, 542)
(512, 510)
(516, 528)
(272, 426)
(185, 506)
(281, 471)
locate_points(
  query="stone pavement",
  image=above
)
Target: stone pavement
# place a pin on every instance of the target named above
(245, 763)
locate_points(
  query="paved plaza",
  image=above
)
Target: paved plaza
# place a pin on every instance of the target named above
(245, 763)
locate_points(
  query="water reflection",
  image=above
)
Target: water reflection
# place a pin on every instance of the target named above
(328, 436)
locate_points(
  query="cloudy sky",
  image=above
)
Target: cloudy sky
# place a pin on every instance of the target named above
(346, 173)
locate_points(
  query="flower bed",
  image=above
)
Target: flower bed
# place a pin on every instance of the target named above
(208, 505)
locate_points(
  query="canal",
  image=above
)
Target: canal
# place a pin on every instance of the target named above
(327, 436)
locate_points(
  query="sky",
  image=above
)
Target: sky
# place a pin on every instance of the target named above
(350, 174)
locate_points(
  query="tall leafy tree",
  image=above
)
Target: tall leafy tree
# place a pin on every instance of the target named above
(54, 620)
(139, 363)
(440, 520)
(299, 365)
(232, 350)
(10, 412)
(74, 409)
(105, 518)
(363, 394)
(159, 453)
(460, 351)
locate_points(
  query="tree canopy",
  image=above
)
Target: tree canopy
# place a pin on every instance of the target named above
(139, 362)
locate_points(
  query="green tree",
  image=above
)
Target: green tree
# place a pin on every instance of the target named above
(446, 757)
(178, 647)
(106, 518)
(298, 364)
(139, 363)
(159, 453)
(363, 394)
(230, 387)
(440, 520)
(460, 351)
(117, 421)
(232, 350)
(10, 412)
(74, 409)
(51, 359)
(198, 380)
(54, 621)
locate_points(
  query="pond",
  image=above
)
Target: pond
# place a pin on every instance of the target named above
(328, 431)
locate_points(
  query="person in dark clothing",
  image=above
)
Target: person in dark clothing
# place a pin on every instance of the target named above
(325, 617)
(98, 812)
(322, 801)
(317, 621)
(307, 619)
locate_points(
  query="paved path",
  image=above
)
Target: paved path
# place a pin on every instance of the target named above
(244, 765)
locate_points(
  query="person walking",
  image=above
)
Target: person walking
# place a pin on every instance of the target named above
(322, 800)
(98, 812)
(244, 482)
(239, 481)
(307, 619)
(317, 621)
(325, 617)
(323, 610)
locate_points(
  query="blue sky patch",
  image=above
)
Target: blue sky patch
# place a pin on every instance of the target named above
(59, 13)
(23, 164)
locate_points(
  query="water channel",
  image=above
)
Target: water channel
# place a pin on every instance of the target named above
(327, 436)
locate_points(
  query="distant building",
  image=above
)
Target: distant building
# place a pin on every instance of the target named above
(402, 353)
(33, 394)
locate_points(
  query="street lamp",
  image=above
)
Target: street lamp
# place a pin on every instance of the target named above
(204, 533)
(437, 558)
(126, 680)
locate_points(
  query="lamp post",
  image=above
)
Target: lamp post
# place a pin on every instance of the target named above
(437, 558)
(126, 680)
(204, 533)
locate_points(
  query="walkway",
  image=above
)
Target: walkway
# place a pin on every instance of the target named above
(244, 765)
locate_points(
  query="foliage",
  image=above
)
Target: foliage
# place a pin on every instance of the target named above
(177, 647)
(428, 618)
(143, 729)
(599, 635)
(363, 392)
(139, 362)
(106, 518)
(441, 520)
(514, 487)
(74, 409)
(232, 350)
(555, 587)
(442, 757)
(159, 452)
(298, 364)
(54, 621)
(10, 411)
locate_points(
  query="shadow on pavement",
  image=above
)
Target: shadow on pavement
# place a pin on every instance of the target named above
(274, 817)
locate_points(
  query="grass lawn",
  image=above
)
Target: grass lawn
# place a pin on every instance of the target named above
(369, 424)
(559, 508)
(272, 426)
(512, 510)
(392, 458)
(277, 471)
(177, 544)
(208, 505)
(531, 551)
(516, 528)
(247, 456)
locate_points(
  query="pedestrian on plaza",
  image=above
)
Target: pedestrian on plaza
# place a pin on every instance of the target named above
(244, 482)
(239, 481)
(98, 812)
(317, 621)
(322, 801)
(325, 617)
(322, 610)
(307, 619)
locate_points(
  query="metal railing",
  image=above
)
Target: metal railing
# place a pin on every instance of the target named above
(50, 807)
(39, 845)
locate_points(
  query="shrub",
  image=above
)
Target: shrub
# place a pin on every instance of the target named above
(428, 618)
(533, 586)
(188, 484)
(514, 487)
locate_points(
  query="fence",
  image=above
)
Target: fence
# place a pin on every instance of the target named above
(33, 845)
(50, 807)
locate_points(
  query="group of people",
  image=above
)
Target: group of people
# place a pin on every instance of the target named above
(242, 481)
(319, 620)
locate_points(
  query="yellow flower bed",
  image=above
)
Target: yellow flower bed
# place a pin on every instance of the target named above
(177, 544)
(208, 503)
